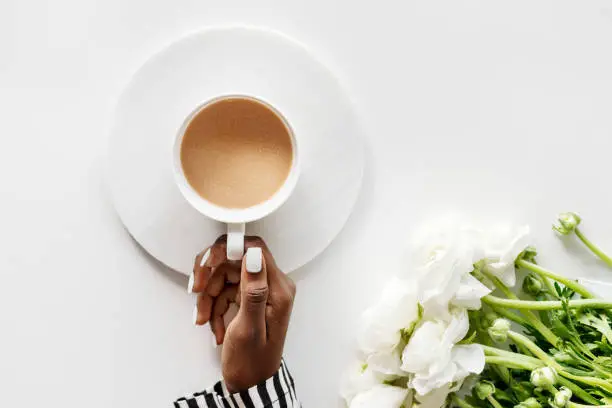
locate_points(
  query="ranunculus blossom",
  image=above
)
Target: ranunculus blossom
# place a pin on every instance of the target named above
(411, 335)
(443, 262)
(469, 293)
(359, 378)
(434, 358)
(501, 248)
(381, 396)
(434, 399)
(382, 323)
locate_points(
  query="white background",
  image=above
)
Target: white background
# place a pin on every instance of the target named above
(498, 110)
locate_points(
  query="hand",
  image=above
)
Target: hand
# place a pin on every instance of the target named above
(254, 341)
(215, 279)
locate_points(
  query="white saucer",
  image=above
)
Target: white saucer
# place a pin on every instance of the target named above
(235, 60)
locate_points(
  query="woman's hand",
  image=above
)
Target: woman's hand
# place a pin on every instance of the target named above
(254, 340)
(215, 279)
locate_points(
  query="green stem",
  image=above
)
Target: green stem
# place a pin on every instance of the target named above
(493, 351)
(510, 316)
(511, 363)
(577, 391)
(531, 318)
(534, 349)
(549, 361)
(592, 381)
(493, 401)
(546, 304)
(461, 403)
(484, 338)
(594, 248)
(571, 404)
(573, 285)
(550, 288)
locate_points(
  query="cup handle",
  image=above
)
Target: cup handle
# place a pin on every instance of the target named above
(235, 241)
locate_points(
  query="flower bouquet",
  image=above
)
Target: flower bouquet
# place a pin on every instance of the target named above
(459, 332)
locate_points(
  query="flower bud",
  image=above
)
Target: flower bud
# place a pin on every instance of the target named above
(567, 223)
(487, 319)
(499, 330)
(491, 317)
(544, 377)
(532, 285)
(562, 397)
(529, 254)
(529, 403)
(483, 389)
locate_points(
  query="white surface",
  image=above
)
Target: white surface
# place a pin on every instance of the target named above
(234, 61)
(499, 110)
(602, 289)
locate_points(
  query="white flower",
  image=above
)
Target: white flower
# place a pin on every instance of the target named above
(469, 293)
(441, 261)
(434, 399)
(433, 357)
(425, 348)
(501, 248)
(381, 396)
(396, 310)
(386, 362)
(359, 378)
(431, 344)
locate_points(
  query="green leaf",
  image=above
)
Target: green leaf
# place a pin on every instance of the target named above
(469, 339)
(599, 323)
(558, 289)
(503, 396)
(522, 390)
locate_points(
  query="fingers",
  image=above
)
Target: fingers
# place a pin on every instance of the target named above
(220, 307)
(282, 292)
(203, 309)
(199, 277)
(254, 292)
(212, 269)
(220, 277)
(204, 265)
(208, 279)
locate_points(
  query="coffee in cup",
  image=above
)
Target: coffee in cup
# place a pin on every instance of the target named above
(235, 160)
(236, 152)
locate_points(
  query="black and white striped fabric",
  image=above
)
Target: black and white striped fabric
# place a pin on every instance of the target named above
(276, 392)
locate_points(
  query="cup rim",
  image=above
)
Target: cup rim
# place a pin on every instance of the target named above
(234, 215)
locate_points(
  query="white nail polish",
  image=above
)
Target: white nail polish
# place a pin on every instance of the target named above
(190, 284)
(214, 341)
(195, 315)
(205, 257)
(253, 260)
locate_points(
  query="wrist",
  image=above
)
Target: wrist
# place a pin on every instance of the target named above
(243, 377)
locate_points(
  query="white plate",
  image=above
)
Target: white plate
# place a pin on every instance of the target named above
(234, 60)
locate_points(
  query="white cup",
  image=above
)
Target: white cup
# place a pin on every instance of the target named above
(235, 218)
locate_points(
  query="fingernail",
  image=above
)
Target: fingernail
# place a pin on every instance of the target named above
(195, 315)
(190, 284)
(205, 257)
(214, 341)
(253, 260)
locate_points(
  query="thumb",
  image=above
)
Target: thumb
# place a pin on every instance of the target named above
(254, 290)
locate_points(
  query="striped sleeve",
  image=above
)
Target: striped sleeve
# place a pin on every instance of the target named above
(276, 392)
